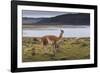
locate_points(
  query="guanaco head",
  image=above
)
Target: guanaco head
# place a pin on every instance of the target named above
(62, 31)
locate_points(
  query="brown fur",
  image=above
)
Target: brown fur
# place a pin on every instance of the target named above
(51, 39)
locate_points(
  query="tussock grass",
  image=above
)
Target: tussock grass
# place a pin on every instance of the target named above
(69, 49)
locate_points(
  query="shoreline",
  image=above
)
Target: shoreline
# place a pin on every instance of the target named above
(52, 26)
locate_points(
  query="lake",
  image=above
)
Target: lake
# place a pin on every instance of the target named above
(68, 32)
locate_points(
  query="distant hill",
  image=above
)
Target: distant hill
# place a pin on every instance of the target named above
(68, 19)
(65, 19)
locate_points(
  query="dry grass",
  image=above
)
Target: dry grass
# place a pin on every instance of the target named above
(69, 49)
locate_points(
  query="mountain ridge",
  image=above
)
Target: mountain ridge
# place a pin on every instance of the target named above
(65, 19)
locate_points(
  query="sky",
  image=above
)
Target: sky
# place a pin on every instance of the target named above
(39, 14)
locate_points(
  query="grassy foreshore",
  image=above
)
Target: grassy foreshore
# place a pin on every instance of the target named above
(69, 49)
(31, 26)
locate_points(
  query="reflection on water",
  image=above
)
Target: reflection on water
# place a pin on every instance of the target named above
(68, 32)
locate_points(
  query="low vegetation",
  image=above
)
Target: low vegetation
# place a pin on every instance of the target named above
(69, 49)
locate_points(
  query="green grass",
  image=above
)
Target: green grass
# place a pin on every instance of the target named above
(69, 49)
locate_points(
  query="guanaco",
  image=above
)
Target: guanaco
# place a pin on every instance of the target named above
(53, 40)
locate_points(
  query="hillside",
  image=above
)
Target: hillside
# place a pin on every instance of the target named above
(68, 19)
(65, 19)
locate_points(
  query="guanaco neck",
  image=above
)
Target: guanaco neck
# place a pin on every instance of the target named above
(60, 36)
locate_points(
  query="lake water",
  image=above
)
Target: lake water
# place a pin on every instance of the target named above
(68, 32)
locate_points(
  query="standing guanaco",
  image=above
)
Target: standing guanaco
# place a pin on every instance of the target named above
(52, 39)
